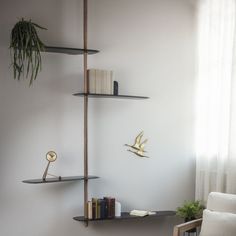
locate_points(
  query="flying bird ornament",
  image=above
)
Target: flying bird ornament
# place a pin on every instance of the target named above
(138, 147)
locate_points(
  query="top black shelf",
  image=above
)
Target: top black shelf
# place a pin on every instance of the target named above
(70, 51)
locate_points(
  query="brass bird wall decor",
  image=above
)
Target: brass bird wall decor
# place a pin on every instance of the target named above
(138, 147)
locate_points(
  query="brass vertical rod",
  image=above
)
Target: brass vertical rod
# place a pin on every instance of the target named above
(85, 36)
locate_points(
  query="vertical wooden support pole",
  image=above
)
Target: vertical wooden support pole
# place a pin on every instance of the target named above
(85, 34)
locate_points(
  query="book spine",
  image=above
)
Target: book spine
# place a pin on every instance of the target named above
(110, 207)
(105, 81)
(99, 209)
(109, 73)
(111, 81)
(113, 207)
(96, 81)
(106, 207)
(90, 210)
(94, 209)
(100, 81)
(91, 79)
(103, 209)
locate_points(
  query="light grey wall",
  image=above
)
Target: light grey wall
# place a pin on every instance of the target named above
(150, 46)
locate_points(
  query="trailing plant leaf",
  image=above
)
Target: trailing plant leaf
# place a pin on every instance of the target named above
(190, 210)
(26, 47)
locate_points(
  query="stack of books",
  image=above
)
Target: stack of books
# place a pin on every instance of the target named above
(101, 208)
(100, 81)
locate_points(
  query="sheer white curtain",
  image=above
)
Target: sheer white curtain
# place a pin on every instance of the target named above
(216, 98)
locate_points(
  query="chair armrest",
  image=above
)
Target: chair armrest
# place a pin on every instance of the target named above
(178, 229)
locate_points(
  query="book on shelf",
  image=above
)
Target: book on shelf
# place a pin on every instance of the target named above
(101, 208)
(110, 206)
(90, 210)
(100, 81)
(94, 208)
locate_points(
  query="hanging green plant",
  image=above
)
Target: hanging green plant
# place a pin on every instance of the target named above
(26, 47)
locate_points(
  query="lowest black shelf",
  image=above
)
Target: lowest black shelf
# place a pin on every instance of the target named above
(56, 180)
(70, 51)
(127, 216)
(95, 95)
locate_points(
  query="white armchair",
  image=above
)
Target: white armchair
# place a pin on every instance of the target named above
(219, 218)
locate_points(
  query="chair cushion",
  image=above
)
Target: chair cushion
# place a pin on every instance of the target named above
(218, 224)
(221, 202)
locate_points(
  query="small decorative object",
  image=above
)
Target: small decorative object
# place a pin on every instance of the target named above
(190, 210)
(117, 209)
(138, 147)
(51, 156)
(116, 88)
(141, 213)
(26, 49)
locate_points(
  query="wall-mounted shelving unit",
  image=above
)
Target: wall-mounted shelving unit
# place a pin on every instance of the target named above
(86, 95)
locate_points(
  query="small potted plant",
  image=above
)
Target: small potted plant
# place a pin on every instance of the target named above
(25, 47)
(191, 210)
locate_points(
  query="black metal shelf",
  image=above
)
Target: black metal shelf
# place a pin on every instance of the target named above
(70, 51)
(95, 95)
(127, 216)
(56, 180)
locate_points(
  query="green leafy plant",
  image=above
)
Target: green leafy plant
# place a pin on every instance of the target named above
(190, 210)
(26, 47)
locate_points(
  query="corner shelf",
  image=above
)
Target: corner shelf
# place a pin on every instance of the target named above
(95, 95)
(127, 216)
(57, 180)
(70, 51)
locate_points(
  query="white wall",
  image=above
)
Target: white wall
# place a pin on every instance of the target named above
(150, 46)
